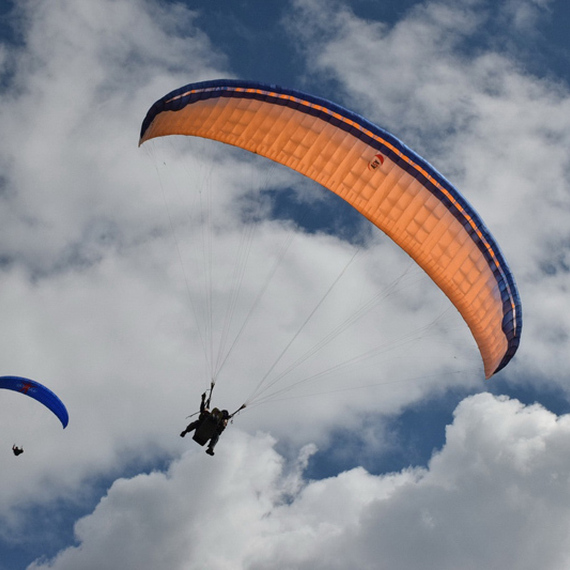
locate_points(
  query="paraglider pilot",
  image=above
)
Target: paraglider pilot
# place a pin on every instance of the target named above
(204, 413)
(208, 426)
(17, 450)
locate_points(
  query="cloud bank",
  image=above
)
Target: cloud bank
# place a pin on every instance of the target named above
(494, 496)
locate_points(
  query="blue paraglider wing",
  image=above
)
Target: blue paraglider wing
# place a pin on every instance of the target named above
(38, 392)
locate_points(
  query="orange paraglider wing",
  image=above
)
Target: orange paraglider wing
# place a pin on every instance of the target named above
(377, 174)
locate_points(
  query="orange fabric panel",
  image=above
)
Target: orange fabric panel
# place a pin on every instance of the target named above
(390, 197)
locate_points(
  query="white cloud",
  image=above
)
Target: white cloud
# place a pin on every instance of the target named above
(494, 496)
(83, 309)
(525, 15)
(81, 87)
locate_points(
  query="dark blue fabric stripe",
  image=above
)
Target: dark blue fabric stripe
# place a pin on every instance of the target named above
(512, 323)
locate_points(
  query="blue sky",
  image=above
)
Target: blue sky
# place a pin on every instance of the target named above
(372, 465)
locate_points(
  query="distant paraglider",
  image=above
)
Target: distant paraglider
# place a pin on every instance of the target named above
(384, 180)
(39, 392)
